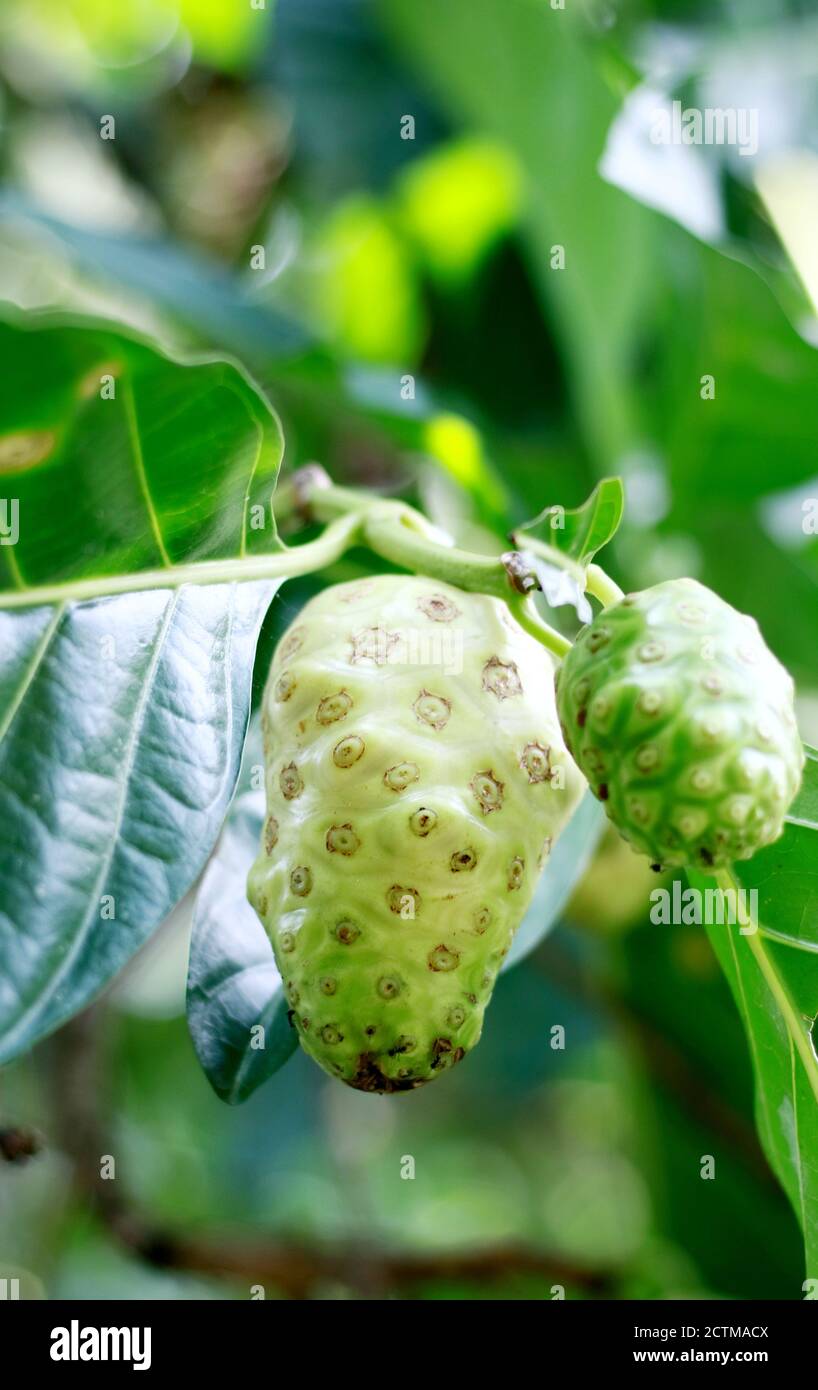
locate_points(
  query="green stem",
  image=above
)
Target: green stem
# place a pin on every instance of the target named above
(393, 533)
(522, 608)
(393, 530)
(602, 586)
(285, 563)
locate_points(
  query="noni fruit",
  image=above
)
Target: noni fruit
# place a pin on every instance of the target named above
(682, 721)
(416, 781)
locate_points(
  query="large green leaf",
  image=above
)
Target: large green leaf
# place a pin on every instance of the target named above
(199, 292)
(773, 973)
(121, 459)
(122, 726)
(122, 719)
(237, 1010)
(754, 434)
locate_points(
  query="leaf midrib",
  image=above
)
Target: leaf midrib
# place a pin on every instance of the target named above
(78, 942)
(755, 941)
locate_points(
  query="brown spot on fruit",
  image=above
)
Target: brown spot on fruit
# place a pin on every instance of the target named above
(328, 985)
(516, 874)
(482, 920)
(347, 932)
(443, 958)
(301, 881)
(334, 707)
(501, 678)
(444, 1054)
(369, 1077)
(439, 608)
(348, 751)
(292, 643)
(423, 822)
(488, 791)
(284, 687)
(433, 710)
(331, 1034)
(602, 791)
(463, 860)
(389, 987)
(399, 777)
(535, 760)
(286, 942)
(341, 839)
(290, 782)
(404, 902)
(270, 834)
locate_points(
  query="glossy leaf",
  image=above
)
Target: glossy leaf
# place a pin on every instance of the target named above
(196, 290)
(237, 1010)
(773, 974)
(122, 727)
(120, 459)
(121, 719)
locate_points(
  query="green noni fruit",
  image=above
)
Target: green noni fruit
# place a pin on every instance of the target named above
(416, 780)
(682, 721)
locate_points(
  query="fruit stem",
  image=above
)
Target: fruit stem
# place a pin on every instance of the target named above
(601, 585)
(313, 555)
(393, 530)
(403, 536)
(523, 610)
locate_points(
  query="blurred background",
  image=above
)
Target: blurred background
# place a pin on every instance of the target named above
(443, 240)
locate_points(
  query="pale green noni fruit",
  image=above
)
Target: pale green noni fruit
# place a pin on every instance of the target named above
(416, 781)
(682, 721)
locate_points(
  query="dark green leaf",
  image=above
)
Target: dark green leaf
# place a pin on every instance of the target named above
(197, 291)
(122, 725)
(122, 460)
(773, 973)
(237, 1010)
(122, 719)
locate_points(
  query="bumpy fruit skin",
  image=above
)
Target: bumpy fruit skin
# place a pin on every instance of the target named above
(416, 780)
(682, 720)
